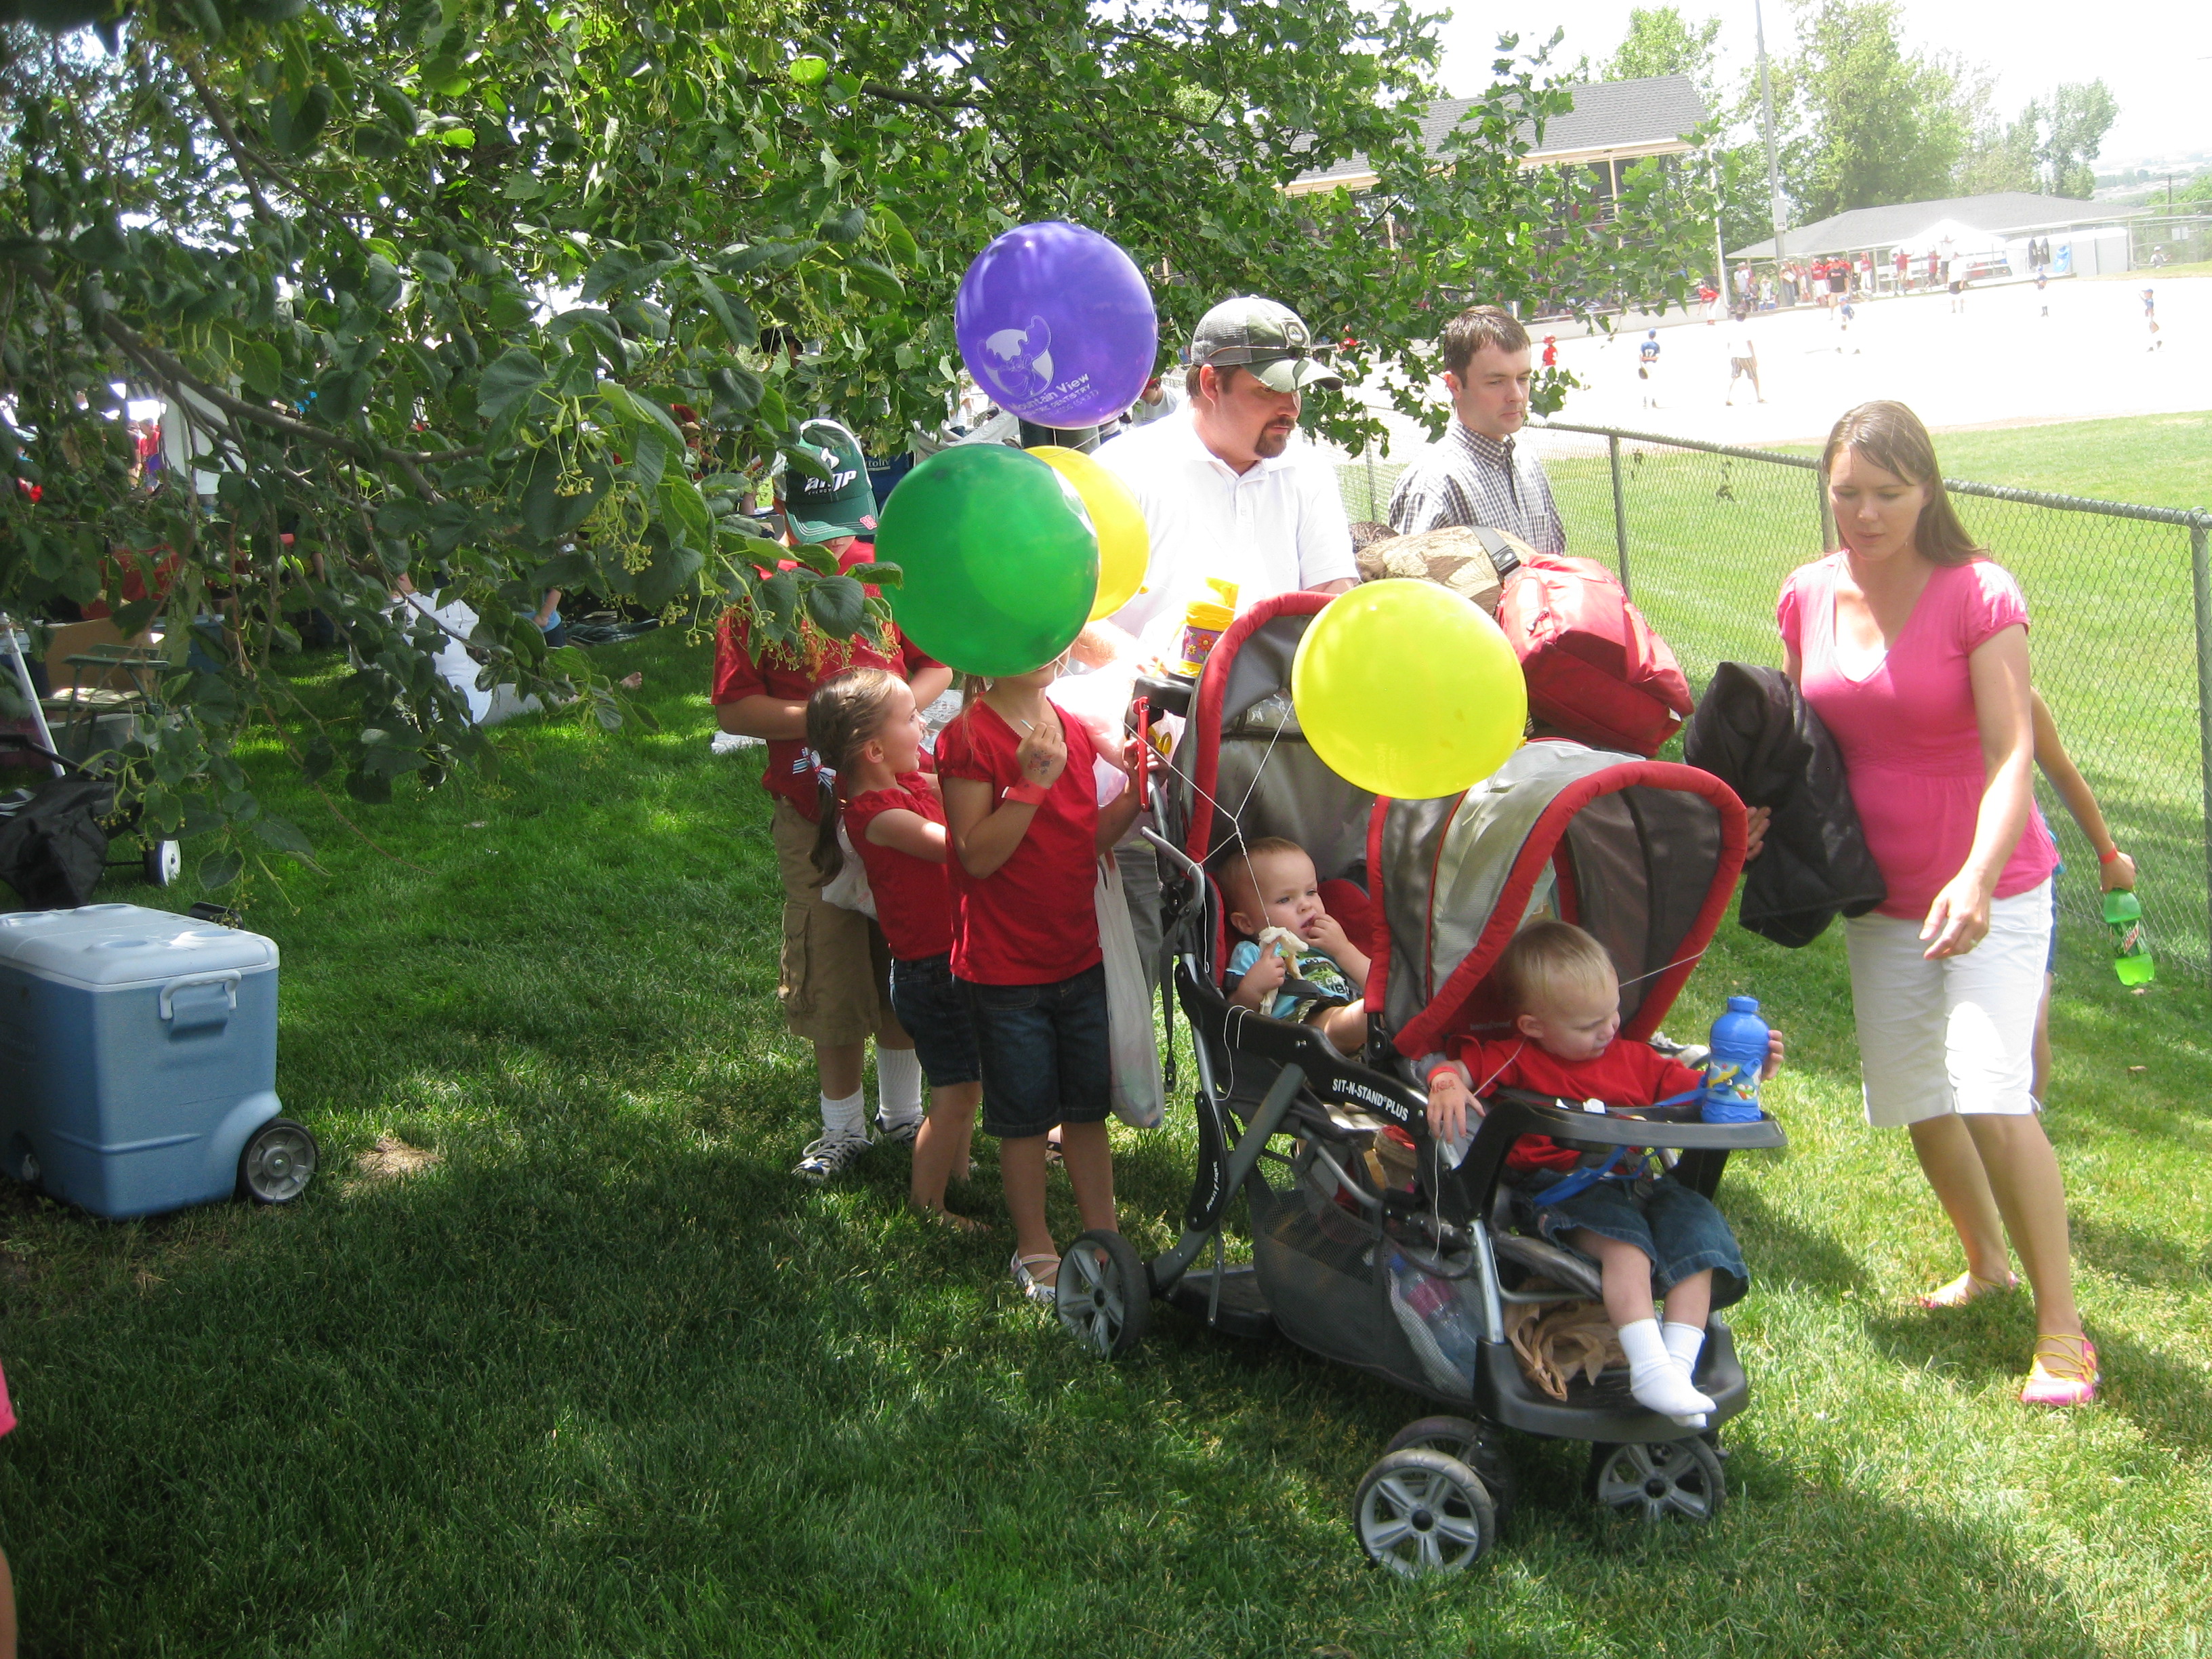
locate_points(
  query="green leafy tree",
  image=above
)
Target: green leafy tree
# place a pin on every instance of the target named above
(2050, 146)
(1999, 154)
(1662, 41)
(1876, 123)
(2072, 128)
(492, 296)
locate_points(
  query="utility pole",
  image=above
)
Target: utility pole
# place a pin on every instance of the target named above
(1720, 244)
(1766, 121)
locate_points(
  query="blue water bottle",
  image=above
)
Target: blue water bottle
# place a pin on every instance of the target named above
(1738, 1055)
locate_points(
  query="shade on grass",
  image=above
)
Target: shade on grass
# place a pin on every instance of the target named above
(568, 1365)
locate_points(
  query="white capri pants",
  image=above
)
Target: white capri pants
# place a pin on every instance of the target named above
(1953, 1036)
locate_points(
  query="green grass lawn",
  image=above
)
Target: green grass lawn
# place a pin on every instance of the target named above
(554, 1358)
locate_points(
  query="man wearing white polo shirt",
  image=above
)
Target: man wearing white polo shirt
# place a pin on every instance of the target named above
(1224, 493)
(1225, 496)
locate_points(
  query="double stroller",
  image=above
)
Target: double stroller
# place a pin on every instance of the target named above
(1367, 1247)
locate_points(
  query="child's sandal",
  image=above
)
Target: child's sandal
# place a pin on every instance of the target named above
(1024, 1271)
(2063, 1373)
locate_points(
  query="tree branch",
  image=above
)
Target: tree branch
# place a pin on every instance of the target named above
(876, 89)
(231, 142)
(160, 363)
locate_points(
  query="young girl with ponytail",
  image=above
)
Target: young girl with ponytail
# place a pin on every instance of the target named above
(865, 727)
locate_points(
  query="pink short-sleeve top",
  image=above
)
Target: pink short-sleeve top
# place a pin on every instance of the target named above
(1911, 747)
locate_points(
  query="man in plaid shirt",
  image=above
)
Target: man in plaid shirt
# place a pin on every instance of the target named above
(1475, 476)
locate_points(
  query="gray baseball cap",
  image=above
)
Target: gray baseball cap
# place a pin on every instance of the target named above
(1271, 340)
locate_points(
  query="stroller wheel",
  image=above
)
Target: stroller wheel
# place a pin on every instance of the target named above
(1658, 1477)
(1105, 1294)
(1480, 1449)
(1419, 1512)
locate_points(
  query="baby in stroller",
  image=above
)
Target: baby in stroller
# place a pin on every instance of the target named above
(1294, 960)
(1563, 1000)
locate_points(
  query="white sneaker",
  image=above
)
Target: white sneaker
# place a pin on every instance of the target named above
(728, 743)
(896, 1134)
(829, 1156)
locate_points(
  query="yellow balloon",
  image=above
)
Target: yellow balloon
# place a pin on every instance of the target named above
(1125, 546)
(1407, 690)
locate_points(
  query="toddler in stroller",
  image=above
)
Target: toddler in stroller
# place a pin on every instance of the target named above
(1560, 987)
(1294, 960)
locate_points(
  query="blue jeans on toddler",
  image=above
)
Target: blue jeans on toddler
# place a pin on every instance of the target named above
(1675, 1226)
(926, 1000)
(1046, 1057)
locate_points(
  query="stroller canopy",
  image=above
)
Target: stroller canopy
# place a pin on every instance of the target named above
(1642, 853)
(1242, 726)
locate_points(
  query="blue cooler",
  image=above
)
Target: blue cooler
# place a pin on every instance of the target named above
(138, 1061)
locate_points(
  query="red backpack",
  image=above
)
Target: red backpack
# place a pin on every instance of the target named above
(1595, 669)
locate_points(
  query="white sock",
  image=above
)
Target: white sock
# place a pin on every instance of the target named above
(845, 1119)
(1656, 1377)
(898, 1085)
(1686, 1343)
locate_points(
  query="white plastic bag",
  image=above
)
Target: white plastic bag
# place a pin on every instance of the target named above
(848, 889)
(1137, 1099)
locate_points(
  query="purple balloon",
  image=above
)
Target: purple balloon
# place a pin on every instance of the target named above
(1056, 323)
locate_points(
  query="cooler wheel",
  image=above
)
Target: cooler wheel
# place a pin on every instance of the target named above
(165, 862)
(278, 1162)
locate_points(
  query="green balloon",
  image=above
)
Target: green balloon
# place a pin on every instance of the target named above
(1000, 560)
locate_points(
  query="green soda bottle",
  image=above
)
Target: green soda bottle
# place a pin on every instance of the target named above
(2130, 950)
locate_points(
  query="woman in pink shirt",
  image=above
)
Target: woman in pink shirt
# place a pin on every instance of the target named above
(1912, 645)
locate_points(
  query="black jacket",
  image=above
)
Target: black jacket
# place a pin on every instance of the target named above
(1755, 733)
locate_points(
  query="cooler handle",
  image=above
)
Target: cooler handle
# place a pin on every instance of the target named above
(228, 979)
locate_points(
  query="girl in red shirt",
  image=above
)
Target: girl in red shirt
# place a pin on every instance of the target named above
(1021, 800)
(865, 727)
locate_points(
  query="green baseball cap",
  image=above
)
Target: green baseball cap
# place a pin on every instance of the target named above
(842, 504)
(1271, 340)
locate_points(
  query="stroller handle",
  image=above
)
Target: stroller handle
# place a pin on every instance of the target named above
(1196, 896)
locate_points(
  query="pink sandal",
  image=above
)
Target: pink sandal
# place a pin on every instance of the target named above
(2064, 1372)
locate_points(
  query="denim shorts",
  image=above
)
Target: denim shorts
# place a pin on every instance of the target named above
(1046, 1058)
(926, 1000)
(1673, 1225)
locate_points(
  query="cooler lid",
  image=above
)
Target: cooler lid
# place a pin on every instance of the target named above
(103, 945)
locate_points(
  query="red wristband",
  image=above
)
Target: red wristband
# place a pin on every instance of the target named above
(1026, 794)
(1441, 1071)
(2112, 857)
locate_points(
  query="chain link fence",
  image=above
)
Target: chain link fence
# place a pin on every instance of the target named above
(1703, 534)
(2154, 242)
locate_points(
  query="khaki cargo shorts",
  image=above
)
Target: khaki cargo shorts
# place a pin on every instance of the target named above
(834, 980)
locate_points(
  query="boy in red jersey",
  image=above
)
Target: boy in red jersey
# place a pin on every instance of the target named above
(1565, 1001)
